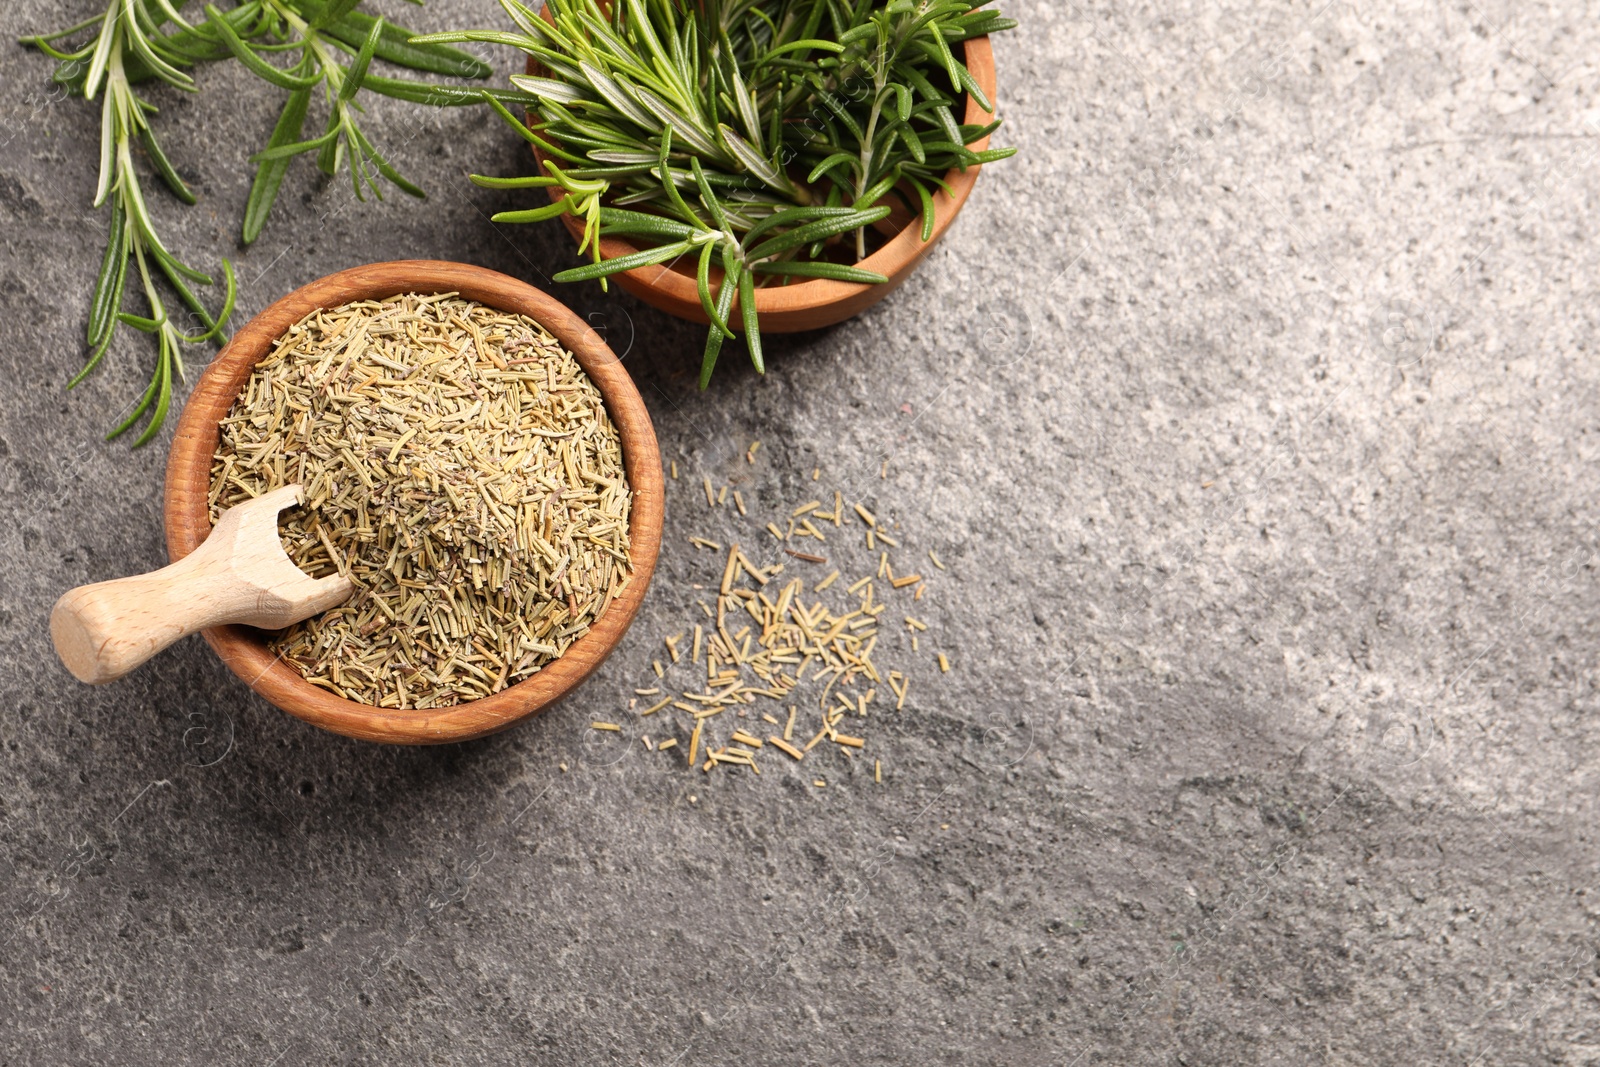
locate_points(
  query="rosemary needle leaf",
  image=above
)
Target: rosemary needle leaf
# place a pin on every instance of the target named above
(537, 214)
(731, 270)
(877, 192)
(358, 68)
(175, 278)
(144, 401)
(913, 144)
(384, 168)
(752, 329)
(164, 166)
(481, 36)
(806, 45)
(113, 274)
(993, 155)
(709, 198)
(138, 322)
(489, 181)
(745, 102)
(162, 68)
(175, 269)
(612, 92)
(164, 400)
(751, 160)
(703, 284)
(839, 272)
(831, 162)
(669, 183)
(793, 217)
(708, 358)
(828, 100)
(436, 95)
(549, 90)
(639, 223)
(230, 288)
(971, 85)
(819, 230)
(95, 354)
(607, 267)
(270, 172)
(927, 208)
(942, 48)
(285, 151)
(399, 46)
(527, 134)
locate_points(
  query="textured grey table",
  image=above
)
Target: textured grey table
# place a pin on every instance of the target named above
(1253, 408)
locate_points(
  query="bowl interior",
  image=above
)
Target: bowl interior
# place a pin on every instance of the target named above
(245, 650)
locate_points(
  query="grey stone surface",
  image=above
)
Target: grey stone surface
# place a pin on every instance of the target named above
(1253, 408)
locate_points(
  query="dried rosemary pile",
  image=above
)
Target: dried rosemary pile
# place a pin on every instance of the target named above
(781, 640)
(460, 468)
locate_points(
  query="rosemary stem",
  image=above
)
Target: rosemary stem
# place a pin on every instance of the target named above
(864, 178)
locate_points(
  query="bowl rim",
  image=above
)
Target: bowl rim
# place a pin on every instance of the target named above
(186, 508)
(894, 260)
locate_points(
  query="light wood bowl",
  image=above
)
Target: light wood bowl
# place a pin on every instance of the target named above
(818, 302)
(245, 650)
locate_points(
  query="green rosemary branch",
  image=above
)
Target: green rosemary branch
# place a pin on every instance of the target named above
(137, 41)
(764, 137)
(124, 43)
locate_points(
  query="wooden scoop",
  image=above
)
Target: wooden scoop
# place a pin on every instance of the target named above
(239, 574)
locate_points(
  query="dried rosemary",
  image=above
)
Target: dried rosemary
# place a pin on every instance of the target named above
(776, 646)
(461, 470)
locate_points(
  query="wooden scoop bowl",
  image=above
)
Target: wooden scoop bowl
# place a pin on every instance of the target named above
(239, 575)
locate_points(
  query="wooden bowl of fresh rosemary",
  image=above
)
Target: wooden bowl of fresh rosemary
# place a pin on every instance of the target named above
(756, 165)
(190, 500)
(810, 304)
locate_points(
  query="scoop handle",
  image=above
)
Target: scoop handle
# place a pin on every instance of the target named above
(239, 574)
(103, 631)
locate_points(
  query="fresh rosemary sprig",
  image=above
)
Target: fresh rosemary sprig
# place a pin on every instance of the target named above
(137, 41)
(124, 44)
(764, 137)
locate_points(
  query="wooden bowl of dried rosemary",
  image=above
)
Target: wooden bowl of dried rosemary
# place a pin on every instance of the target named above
(475, 459)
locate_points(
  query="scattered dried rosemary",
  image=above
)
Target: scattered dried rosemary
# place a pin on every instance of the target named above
(460, 468)
(771, 642)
